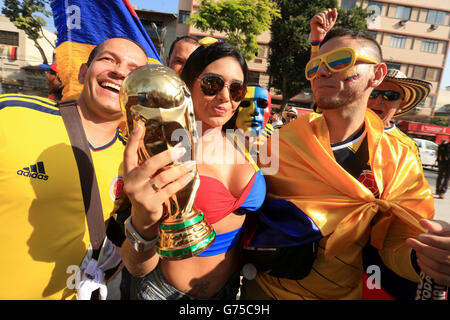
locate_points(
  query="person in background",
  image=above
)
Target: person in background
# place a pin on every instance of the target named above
(179, 52)
(253, 112)
(252, 116)
(443, 159)
(289, 113)
(55, 86)
(275, 118)
(396, 96)
(216, 76)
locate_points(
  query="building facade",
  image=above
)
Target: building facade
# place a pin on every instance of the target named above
(20, 60)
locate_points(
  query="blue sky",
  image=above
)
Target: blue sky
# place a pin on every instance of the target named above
(171, 6)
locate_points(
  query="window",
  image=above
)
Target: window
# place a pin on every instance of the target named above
(393, 65)
(154, 28)
(432, 74)
(9, 38)
(398, 41)
(348, 4)
(429, 45)
(262, 52)
(436, 17)
(403, 12)
(183, 16)
(425, 73)
(36, 82)
(431, 146)
(373, 34)
(377, 6)
(253, 78)
(419, 72)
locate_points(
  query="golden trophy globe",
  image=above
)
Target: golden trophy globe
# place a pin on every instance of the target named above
(155, 96)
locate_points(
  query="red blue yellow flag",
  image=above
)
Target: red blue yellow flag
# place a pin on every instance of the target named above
(12, 53)
(82, 25)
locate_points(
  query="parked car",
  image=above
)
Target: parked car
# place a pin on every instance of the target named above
(428, 152)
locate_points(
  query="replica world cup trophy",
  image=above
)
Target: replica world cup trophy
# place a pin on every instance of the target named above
(157, 98)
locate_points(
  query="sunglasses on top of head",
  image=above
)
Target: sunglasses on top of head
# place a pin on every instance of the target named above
(386, 95)
(336, 61)
(212, 84)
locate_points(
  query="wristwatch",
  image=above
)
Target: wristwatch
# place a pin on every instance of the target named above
(139, 244)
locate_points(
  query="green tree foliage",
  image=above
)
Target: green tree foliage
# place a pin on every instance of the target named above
(25, 16)
(289, 44)
(241, 20)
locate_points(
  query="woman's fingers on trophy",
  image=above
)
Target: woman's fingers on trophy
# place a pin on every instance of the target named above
(150, 166)
(140, 174)
(172, 174)
(176, 185)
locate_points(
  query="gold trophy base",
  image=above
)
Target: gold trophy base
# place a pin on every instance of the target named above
(185, 239)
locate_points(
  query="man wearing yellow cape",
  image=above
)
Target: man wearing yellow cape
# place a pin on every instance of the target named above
(391, 211)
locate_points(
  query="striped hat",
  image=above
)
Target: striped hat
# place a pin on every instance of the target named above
(415, 90)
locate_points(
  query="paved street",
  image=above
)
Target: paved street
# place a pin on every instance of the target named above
(442, 206)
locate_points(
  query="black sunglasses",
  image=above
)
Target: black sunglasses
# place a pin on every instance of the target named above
(212, 84)
(261, 103)
(386, 95)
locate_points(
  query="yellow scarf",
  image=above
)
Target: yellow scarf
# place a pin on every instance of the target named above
(341, 206)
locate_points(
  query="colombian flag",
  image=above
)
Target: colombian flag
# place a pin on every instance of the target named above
(82, 25)
(12, 51)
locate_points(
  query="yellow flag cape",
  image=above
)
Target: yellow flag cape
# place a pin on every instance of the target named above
(341, 206)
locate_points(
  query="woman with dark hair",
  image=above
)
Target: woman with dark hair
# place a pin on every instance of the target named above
(229, 181)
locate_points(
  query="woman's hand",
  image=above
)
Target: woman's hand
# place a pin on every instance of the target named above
(147, 187)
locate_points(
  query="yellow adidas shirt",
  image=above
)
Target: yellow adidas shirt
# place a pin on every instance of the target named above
(44, 234)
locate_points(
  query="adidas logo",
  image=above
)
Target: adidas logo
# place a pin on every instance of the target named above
(35, 171)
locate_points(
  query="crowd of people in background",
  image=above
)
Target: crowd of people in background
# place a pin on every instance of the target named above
(349, 190)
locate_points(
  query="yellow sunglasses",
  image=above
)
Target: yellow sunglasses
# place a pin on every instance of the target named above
(336, 61)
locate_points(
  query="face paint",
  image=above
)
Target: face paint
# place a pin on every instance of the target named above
(254, 110)
(352, 76)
